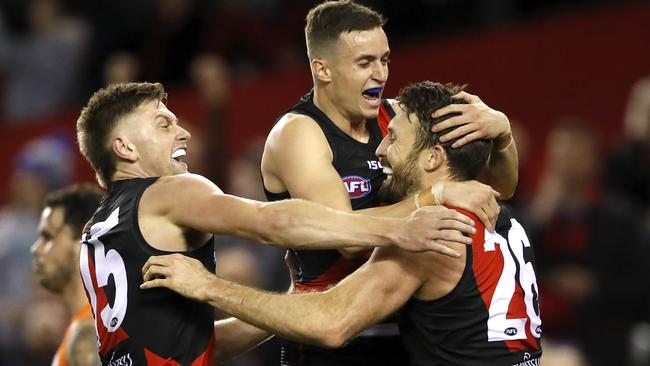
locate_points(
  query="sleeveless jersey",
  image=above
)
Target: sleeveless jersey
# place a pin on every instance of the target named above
(152, 327)
(362, 175)
(492, 316)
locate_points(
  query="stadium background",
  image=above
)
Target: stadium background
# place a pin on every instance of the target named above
(231, 67)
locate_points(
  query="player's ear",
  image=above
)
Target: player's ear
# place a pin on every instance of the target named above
(435, 158)
(124, 149)
(320, 70)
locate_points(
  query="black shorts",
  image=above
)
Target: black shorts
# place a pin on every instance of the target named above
(361, 351)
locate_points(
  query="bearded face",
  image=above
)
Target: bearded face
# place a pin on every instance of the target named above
(403, 178)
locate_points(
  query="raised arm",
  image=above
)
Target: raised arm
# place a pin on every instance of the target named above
(327, 319)
(478, 121)
(191, 201)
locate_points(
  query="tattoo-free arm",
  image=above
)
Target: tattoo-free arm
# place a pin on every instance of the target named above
(191, 201)
(234, 337)
(327, 319)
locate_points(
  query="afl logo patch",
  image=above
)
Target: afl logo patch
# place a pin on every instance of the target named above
(358, 187)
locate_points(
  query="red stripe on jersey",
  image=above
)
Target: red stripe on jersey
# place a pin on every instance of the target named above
(107, 340)
(488, 267)
(333, 275)
(383, 119)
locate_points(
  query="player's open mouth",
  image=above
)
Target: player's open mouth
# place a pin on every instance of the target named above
(372, 95)
(179, 154)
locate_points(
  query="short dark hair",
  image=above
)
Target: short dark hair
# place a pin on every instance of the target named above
(100, 116)
(425, 97)
(326, 22)
(78, 201)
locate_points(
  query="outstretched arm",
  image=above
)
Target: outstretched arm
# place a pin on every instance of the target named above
(475, 197)
(478, 121)
(327, 319)
(191, 201)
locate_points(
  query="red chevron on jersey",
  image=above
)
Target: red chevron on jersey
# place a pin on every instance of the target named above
(107, 340)
(205, 359)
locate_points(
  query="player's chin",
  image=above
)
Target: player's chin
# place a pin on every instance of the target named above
(369, 112)
(179, 168)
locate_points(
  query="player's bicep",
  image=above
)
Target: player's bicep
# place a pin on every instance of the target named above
(379, 288)
(302, 160)
(193, 202)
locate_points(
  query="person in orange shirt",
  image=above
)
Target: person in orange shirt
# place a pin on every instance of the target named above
(56, 266)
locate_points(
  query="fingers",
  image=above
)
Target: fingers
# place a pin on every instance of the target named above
(158, 282)
(457, 216)
(159, 260)
(443, 249)
(476, 135)
(451, 108)
(156, 271)
(453, 236)
(462, 129)
(457, 225)
(469, 98)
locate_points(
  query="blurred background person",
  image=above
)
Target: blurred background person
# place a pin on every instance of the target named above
(56, 266)
(42, 67)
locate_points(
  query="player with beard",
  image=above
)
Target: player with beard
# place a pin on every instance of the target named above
(153, 206)
(56, 265)
(479, 309)
(323, 150)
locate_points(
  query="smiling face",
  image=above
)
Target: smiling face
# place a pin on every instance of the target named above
(151, 137)
(358, 68)
(56, 251)
(402, 163)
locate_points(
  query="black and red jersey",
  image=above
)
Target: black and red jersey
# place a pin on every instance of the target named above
(318, 270)
(492, 316)
(152, 327)
(362, 175)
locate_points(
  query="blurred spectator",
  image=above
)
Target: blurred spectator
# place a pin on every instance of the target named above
(42, 69)
(623, 302)
(590, 251)
(121, 67)
(42, 165)
(560, 214)
(627, 171)
(170, 40)
(211, 80)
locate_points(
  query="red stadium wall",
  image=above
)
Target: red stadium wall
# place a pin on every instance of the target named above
(572, 65)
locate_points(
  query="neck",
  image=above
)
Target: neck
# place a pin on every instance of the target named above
(429, 179)
(355, 126)
(129, 172)
(73, 295)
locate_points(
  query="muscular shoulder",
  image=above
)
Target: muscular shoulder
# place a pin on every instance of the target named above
(295, 139)
(169, 190)
(295, 128)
